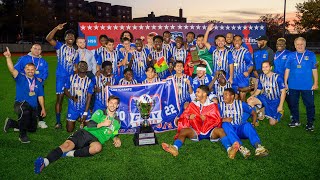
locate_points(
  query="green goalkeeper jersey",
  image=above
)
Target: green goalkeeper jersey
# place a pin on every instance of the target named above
(207, 57)
(104, 133)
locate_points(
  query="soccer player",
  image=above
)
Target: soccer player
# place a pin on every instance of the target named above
(233, 113)
(179, 53)
(87, 56)
(202, 78)
(150, 44)
(138, 62)
(222, 58)
(218, 88)
(79, 89)
(243, 65)
(67, 61)
(41, 72)
(111, 55)
(201, 120)
(103, 126)
(301, 77)
(167, 44)
(271, 93)
(124, 57)
(128, 78)
(151, 75)
(280, 57)
(29, 92)
(190, 40)
(160, 58)
(99, 52)
(106, 78)
(229, 40)
(129, 36)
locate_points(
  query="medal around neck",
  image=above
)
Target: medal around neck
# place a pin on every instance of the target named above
(145, 134)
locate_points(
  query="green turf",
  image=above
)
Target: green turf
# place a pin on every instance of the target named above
(293, 151)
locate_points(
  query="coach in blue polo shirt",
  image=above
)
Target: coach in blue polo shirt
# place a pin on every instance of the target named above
(28, 92)
(263, 53)
(301, 77)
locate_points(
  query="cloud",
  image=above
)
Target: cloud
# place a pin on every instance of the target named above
(246, 13)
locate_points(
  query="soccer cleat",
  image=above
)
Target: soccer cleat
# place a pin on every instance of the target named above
(38, 165)
(310, 127)
(294, 124)
(232, 151)
(261, 151)
(58, 126)
(261, 114)
(24, 139)
(170, 149)
(42, 125)
(7, 124)
(245, 152)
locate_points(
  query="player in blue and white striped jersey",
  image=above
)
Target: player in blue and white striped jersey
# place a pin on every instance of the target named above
(106, 78)
(128, 78)
(100, 51)
(79, 89)
(67, 60)
(218, 84)
(125, 34)
(167, 44)
(202, 78)
(271, 93)
(109, 54)
(138, 62)
(124, 57)
(234, 123)
(179, 53)
(151, 76)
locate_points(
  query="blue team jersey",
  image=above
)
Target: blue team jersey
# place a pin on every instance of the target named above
(123, 81)
(67, 58)
(261, 55)
(154, 80)
(183, 89)
(80, 87)
(168, 47)
(139, 63)
(238, 111)
(121, 57)
(196, 82)
(101, 83)
(119, 46)
(219, 90)
(242, 61)
(271, 86)
(221, 60)
(28, 90)
(300, 76)
(179, 54)
(98, 54)
(279, 63)
(155, 55)
(40, 64)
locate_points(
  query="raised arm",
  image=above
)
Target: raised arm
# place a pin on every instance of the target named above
(12, 70)
(51, 34)
(206, 36)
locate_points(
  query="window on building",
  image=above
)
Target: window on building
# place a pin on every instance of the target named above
(80, 5)
(107, 8)
(107, 14)
(99, 14)
(49, 2)
(70, 4)
(99, 7)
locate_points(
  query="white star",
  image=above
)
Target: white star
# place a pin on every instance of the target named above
(83, 27)
(233, 27)
(186, 26)
(140, 27)
(239, 27)
(102, 27)
(96, 27)
(216, 27)
(160, 27)
(256, 27)
(192, 26)
(134, 27)
(228, 27)
(166, 27)
(172, 26)
(109, 27)
(122, 27)
(261, 27)
(198, 26)
(179, 26)
(250, 27)
(147, 26)
(244, 27)
(115, 27)
(204, 27)
(89, 27)
(153, 26)
(221, 27)
(128, 27)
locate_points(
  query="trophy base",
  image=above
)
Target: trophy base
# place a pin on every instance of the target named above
(145, 136)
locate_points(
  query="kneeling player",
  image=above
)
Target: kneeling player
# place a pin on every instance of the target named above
(87, 141)
(201, 120)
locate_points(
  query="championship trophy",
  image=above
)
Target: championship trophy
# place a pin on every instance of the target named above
(145, 134)
(194, 55)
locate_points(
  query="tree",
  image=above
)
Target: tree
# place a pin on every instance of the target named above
(308, 14)
(274, 25)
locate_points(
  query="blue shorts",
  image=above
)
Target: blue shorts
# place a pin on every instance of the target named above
(204, 136)
(74, 115)
(271, 107)
(241, 81)
(61, 83)
(98, 105)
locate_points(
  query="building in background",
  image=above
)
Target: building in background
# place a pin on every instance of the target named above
(165, 18)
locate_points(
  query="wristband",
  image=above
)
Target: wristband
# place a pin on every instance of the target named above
(85, 113)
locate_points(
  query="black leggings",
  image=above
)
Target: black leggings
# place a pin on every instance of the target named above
(27, 117)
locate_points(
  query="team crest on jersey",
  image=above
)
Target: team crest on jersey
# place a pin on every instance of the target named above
(306, 58)
(284, 57)
(175, 34)
(264, 55)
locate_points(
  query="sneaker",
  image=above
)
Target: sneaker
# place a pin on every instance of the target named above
(38, 165)
(261, 151)
(310, 127)
(170, 149)
(16, 129)
(24, 139)
(294, 124)
(42, 125)
(232, 151)
(7, 124)
(58, 126)
(245, 152)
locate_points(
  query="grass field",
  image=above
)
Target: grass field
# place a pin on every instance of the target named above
(293, 151)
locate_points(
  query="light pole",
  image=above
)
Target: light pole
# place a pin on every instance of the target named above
(284, 19)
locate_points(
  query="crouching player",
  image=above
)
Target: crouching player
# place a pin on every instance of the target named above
(201, 120)
(234, 115)
(87, 141)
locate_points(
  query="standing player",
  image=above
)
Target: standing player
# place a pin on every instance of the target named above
(150, 44)
(229, 41)
(41, 72)
(129, 36)
(67, 60)
(190, 40)
(273, 93)
(111, 55)
(128, 78)
(201, 120)
(167, 43)
(124, 57)
(264, 53)
(89, 140)
(99, 52)
(79, 90)
(29, 92)
(179, 53)
(233, 113)
(280, 57)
